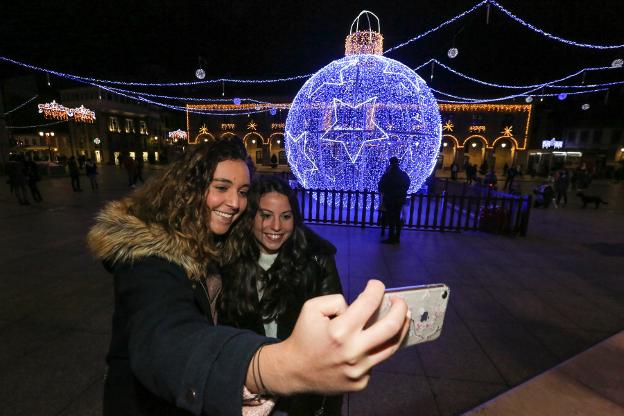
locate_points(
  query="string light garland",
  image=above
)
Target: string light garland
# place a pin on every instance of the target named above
(83, 115)
(305, 76)
(177, 135)
(542, 85)
(54, 110)
(354, 114)
(58, 111)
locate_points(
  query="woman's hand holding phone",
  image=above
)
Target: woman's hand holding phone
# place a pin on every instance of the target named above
(332, 348)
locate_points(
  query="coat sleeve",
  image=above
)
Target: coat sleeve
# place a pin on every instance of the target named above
(174, 350)
(330, 283)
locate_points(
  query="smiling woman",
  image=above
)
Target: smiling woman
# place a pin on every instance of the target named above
(275, 264)
(164, 245)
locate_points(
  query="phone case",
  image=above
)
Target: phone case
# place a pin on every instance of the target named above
(428, 306)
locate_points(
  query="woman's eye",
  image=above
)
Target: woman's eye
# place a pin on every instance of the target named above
(264, 216)
(243, 193)
(287, 216)
(221, 188)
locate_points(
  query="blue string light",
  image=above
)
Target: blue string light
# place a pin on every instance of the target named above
(354, 114)
(178, 98)
(153, 84)
(440, 26)
(524, 94)
(547, 84)
(550, 36)
(305, 76)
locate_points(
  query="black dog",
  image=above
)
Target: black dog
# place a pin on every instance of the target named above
(590, 199)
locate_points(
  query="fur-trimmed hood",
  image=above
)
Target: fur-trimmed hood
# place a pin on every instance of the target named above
(120, 237)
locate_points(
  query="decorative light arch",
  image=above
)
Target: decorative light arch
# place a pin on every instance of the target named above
(202, 137)
(253, 133)
(515, 142)
(457, 145)
(275, 136)
(226, 134)
(485, 143)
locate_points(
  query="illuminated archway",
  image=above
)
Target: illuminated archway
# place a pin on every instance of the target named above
(203, 137)
(450, 144)
(253, 143)
(475, 153)
(504, 150)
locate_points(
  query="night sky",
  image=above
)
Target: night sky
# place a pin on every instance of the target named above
(161, 40)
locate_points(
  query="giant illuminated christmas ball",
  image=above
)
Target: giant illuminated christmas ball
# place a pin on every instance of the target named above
(350, 117)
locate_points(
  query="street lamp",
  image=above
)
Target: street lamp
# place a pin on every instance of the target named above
(48, 135)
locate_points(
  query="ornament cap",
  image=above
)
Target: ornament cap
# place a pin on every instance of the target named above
(364, 41)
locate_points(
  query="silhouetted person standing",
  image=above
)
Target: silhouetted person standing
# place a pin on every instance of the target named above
(17, 179)
(74, 173)
(393, 188)
(32, 173)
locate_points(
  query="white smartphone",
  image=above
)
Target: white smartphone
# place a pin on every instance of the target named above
(428, 306)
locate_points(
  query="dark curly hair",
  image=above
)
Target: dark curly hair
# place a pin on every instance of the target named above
(176, 199)
(281, 282)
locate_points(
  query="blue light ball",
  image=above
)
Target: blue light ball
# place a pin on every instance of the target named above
(562, 96)
(237, 101)
(272, 111)
(353, 115)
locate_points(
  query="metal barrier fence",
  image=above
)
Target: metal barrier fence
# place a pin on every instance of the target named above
(490, 211)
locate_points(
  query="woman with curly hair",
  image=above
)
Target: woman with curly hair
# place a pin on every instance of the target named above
(163, 244)
(276, 265)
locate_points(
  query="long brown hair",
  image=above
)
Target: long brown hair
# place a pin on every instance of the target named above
(176, 199)
(282, 282)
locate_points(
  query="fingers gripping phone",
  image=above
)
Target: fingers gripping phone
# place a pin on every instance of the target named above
(428, 307)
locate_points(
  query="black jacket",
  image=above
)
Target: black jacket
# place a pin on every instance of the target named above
(394, 184)
(166, 357)
(320, 277)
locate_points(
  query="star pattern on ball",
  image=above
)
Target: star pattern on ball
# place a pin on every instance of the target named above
(348, 64)
(356, 124)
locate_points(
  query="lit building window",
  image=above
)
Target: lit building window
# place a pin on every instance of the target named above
(113, 124)
(129, 125)
(143, 127)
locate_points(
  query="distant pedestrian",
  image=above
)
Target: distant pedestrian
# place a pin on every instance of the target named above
(562, 182)
(17, 179)
(74, 173)
(32, 174)
(512, 172)
(454, 170)
(138, 170)
(130, 166)
(91, 171)
(393, 188)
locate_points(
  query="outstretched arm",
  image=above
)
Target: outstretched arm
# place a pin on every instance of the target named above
(331, 350)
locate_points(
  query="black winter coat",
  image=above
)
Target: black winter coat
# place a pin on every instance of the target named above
(166, 356)
(320, 277)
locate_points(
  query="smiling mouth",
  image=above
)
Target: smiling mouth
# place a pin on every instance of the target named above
(273, 237)
(223, 214)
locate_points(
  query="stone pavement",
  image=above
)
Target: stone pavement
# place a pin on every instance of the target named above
(518, 306)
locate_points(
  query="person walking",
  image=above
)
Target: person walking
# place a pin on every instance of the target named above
(393, 188)
(32, 173)
(74, 174)
(91, 171)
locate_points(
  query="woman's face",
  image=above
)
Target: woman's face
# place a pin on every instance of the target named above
(227, 195)
(274, 222)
